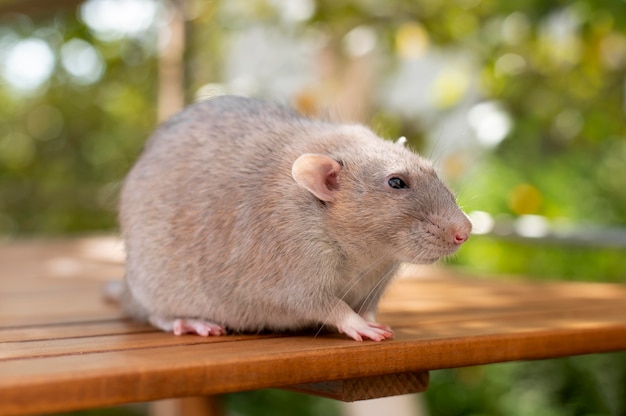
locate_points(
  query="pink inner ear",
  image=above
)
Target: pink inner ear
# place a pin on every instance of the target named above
(331, 179)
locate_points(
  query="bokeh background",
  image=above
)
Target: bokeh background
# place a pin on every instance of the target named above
(520, 104)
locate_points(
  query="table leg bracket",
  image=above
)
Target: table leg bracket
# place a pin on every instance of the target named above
(365, 388)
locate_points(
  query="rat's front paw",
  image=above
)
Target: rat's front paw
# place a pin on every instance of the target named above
(357, 328)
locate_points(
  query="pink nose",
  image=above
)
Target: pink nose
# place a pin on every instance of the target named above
(460, 238)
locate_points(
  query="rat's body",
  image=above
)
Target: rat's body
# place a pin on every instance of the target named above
(242, 215)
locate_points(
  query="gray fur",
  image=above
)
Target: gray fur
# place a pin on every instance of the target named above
(217, 229)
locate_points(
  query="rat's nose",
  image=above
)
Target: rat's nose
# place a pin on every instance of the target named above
(460, 237)
(460, 233)
(461, 230)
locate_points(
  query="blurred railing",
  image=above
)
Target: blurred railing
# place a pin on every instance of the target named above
(538, 229)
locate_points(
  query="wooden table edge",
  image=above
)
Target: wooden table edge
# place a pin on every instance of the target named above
(362, 360)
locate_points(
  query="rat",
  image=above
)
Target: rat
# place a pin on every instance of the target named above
(241, 215)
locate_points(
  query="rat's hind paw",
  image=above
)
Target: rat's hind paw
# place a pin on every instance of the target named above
(196, 326)
(358, 329)
(182, 326)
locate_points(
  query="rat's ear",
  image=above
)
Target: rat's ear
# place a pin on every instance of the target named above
(318, 174)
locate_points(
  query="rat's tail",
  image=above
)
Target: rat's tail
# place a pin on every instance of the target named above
(114, 290)
(117, 291)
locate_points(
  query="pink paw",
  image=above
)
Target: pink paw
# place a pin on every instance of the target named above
(357, 328)
(196, 326)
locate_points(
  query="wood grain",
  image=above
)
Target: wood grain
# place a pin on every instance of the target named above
(63, 348)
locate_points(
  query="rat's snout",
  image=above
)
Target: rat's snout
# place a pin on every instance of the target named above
(452, 229)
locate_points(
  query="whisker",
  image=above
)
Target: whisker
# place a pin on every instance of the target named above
(351, 286)
(360, 277)
(378, 287)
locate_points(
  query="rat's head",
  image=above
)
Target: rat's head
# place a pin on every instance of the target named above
(381, 197)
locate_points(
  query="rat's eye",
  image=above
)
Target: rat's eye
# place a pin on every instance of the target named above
(397, 183)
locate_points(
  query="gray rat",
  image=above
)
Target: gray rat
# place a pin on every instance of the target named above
(242, 215)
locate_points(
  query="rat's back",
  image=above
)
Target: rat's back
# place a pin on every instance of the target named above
(200, 199)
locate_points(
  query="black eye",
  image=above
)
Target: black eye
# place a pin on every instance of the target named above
(397, 183)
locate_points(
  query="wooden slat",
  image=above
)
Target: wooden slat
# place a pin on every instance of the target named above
(63, 348)
(64, 264)
(72, 330)
(104, 343)
(50, 307)
(452, 304)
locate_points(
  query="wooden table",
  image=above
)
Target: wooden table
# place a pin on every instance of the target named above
(62, 347)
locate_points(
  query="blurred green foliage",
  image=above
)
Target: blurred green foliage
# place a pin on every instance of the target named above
(587, 385)
(65, 146)
(556, 69)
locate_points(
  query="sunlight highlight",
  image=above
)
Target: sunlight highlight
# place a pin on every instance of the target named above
(28, 64)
